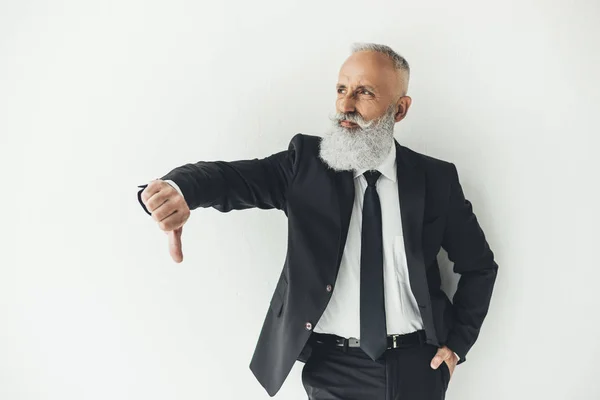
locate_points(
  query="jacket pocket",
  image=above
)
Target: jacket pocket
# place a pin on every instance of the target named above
(278, 299)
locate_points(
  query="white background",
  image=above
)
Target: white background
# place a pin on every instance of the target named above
(98, 97)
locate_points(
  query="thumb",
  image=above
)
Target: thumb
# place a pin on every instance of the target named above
(175, 244)
(438, 359)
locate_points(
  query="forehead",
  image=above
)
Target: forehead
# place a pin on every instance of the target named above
(368, 67)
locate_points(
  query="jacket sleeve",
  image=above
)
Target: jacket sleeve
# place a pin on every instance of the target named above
(473, 259)
(237, 185)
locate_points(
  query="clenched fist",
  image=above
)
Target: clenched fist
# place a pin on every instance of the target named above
(170, 210)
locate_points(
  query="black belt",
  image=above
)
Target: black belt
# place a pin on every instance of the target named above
(394, 341)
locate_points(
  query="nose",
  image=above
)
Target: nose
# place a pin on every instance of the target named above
(347, 105)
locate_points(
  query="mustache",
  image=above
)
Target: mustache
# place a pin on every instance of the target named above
(352, 117)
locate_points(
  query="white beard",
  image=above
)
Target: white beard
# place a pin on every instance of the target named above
(363, 146)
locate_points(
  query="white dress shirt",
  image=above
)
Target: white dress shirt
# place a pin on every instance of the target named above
(342, 315)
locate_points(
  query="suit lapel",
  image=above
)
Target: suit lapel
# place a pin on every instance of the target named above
(411, 193)
(344, 185)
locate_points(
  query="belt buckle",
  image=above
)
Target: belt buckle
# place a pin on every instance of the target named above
(394, 344)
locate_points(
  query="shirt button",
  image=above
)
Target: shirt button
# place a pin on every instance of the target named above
(329, 287)
(308, 326)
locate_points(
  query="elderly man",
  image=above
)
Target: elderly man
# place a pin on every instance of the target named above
(358, 299)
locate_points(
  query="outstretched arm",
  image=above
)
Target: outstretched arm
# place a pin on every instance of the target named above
(237, 185)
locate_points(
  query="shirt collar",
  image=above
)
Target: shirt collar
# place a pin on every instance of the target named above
(387, 167)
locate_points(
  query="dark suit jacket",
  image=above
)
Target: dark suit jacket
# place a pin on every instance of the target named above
(318, 202)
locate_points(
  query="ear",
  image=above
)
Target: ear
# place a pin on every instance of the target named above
(402, 108)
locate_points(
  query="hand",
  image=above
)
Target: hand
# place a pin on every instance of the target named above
(170, 210)
(444, 354)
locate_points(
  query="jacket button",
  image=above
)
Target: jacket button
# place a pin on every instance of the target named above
(329, 287)
(308, 326)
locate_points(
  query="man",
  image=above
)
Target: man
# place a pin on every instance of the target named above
(358, 299)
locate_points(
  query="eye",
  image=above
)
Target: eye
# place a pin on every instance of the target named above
(364, 91)
(340, 90)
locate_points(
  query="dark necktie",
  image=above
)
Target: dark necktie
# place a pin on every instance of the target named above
(373, 332)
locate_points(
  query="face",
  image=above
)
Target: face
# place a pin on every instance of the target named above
(368, 105)
(368, 84)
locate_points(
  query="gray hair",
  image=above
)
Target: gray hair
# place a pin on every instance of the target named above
(400, 62)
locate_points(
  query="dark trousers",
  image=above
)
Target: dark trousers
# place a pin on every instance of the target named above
(335, 373)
